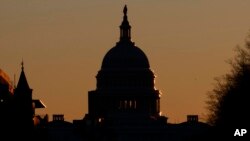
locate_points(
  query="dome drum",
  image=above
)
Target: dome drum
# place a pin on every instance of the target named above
(113, 79)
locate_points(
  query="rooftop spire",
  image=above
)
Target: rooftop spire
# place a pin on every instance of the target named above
(22, 83)
(22, 64)
(125, 33)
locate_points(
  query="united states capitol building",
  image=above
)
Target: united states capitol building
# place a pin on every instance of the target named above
(125, 106)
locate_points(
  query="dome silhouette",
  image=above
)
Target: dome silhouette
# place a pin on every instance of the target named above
(125, 55)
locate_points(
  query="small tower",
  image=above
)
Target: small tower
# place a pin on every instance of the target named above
(125, 28)
(24, 110)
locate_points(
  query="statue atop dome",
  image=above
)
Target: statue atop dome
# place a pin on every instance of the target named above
(125, 10)
(125, 28)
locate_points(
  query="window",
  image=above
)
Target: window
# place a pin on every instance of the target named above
(135, 104)
(125, 104)
(130, 104)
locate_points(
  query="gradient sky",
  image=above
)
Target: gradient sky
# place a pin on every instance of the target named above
(63, 43)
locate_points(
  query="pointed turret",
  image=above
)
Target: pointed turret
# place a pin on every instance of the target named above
(23, 106)
(125, 33)
(22, 83)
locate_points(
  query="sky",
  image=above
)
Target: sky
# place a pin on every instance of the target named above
(62, 44)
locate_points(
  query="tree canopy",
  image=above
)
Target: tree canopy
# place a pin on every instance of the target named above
(228, 103)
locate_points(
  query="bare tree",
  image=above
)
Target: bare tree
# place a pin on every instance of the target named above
(228, 103)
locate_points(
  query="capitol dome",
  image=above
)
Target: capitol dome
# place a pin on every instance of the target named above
(125, 83)
(125, 55)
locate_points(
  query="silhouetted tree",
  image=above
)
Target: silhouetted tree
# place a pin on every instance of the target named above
(229, 101)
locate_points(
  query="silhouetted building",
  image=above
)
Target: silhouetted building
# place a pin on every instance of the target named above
(125, 83)
(126, 104)
(23, 104)
(6, 102)
(17, 107)
(192, 129)
(60, 130)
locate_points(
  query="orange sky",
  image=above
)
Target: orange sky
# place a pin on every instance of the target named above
(63, 43)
